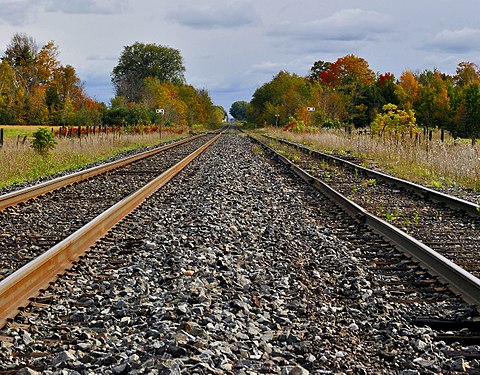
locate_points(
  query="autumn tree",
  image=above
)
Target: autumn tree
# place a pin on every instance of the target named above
(238, 110)
(433, 102)
(140, 61)
(35, 87)
(407, 89)
(318, 69)
(10, 92)
(394, 122)
(466, 73)
(285, 95)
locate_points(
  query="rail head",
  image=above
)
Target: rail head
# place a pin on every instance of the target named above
(453, 202)
(25, 283)
(22, 195)
(456, 278)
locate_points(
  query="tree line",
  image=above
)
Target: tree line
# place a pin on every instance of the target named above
(348, 93)
(35, 88)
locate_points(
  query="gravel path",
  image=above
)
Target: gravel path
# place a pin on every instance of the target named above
(232, 268)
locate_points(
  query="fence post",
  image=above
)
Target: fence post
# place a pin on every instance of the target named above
(1, 137)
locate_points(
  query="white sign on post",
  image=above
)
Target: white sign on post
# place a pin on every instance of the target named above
(160, 111)
(311, 109)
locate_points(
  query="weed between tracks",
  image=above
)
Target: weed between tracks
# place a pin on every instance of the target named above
(19, 162)
(434, 163)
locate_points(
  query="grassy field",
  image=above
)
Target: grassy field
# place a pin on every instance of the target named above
(14, 131)
(19, 162)
(436, 164)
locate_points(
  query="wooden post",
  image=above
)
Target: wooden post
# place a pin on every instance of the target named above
(442, 135)
(1, 137)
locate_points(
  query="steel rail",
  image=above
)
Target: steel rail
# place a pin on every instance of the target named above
(452, 202)
(456, 278)
(16, 197)
(28, 281)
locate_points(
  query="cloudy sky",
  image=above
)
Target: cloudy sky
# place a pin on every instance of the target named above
(231, 47)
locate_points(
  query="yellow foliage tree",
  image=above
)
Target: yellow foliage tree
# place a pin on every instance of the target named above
(394, 122)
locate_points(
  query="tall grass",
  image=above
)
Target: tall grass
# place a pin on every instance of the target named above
(432, 163)
(19, 162)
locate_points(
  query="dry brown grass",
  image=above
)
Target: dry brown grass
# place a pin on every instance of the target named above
(18, 162)
(432, 163)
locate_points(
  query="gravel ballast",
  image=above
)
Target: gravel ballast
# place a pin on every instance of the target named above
(232, 268)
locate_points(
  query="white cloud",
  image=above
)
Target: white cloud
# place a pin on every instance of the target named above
(347, 25)
(458, 41)
(217, 16)
(18, 12)
(88, 6)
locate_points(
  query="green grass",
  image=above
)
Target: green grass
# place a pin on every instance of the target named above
(19, 162)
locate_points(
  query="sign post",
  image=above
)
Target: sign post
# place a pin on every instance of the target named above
(310, 110)
(161, 112)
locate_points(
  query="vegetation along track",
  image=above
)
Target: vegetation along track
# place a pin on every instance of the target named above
(32, 227)
(248, 270)
(449, 231)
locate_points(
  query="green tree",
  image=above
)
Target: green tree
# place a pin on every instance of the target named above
(432, 105)
(238, 110)
(318, 68)
(140, 61)
(472, 111)
(21, 54)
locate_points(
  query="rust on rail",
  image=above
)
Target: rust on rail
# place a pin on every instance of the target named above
(17, 289)
(16, 197)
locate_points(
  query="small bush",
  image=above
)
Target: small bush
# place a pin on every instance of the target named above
(43, 141)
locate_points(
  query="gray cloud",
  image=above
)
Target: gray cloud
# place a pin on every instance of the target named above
(456, 41)
(347, 25)
(218, 16)
(18, 12)
(95, 57)
(87, 6)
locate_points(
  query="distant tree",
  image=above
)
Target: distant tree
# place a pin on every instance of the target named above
(433, 102)
(238, 110)
(467, 72)
(407, 89)
(394, 122)
(140, 61)
(9, 91)
(318, 68)
(347, 70)
(471, 105)
(217, 114)
(21, 54)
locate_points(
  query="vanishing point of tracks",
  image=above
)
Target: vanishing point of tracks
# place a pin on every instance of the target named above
(236, 267)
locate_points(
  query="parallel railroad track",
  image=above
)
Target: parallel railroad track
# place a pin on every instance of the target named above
(375, 277)
(26, 280)
(448, 225)
(31, 226)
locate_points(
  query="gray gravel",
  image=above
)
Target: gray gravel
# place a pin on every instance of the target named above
(232, 268)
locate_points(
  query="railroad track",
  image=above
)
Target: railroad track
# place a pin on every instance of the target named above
(67, 203)
(448, 225)
(246, 270)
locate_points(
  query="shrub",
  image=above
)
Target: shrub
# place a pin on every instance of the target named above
(43, 141)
